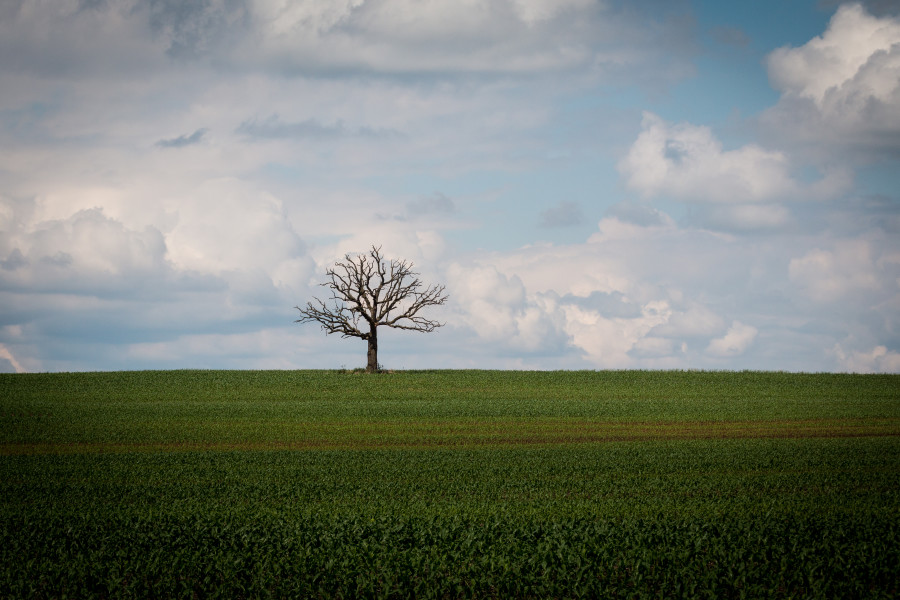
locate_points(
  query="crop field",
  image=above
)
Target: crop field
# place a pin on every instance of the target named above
(449, 484)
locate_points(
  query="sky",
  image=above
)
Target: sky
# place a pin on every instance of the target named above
(599, 184)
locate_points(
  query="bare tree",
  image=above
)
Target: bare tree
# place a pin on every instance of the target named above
(368, 292)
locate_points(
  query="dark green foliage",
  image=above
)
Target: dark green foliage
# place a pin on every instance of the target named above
(260, 556)
(121, 500)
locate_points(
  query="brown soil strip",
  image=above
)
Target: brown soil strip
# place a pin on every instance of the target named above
(472, 433)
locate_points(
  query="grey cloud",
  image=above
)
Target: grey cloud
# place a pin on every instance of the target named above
(696, 321)
(92, 254)
(638, 214)
(273, 128)
(193, 29)
(650, 44)
(883, 7)
(96, 39)
(652, 347)
(610, 305)
(84, 331)
(439, 39)
(113, 321)
(741, 218)
(14, 261)
(118, 38)
(880, 212)
(871, 135)
(876, 7)
(564, 214)
(183, 140)
(436, 204)
(676, 151)
(848, 215)
(60, 259)
(9, 9)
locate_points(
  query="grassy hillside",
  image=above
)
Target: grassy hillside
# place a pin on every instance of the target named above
(265, 409)
(449, 483)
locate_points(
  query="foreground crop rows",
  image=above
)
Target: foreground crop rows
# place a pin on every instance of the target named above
(261, 556)
(198, 484)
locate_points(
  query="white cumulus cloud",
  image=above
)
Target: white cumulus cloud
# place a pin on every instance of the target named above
(834, 64)
(609, 342)
(226, 224)
(735, 341)
(877, 360)
(10, 360)
(498, 309)
(84, 250)
(688, 162)
(746, 188)
(828, 275)
(842, 87)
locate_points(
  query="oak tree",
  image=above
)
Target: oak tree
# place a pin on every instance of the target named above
(368, 292)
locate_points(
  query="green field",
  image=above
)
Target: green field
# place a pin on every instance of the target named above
(449, 484)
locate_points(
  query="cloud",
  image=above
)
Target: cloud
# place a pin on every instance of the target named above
(830, 275)
(224, 258)
(403, 36)
(348, 37)
(623, 300)
(192, 29)
(638, 214)
(876, 7)
(877, 360)
(613, 304)
(735, 342)
(744, 189)
(746, 217)
(118, 250)
(86, 251)
(15, 260)
(819, 69)
(498, 310)
(564, 214)
(8, 362)
(610, 341)
(492, 300)
(626, 299)
(228, 225)
(274, 128)
(687, 162)
(695, 321)
(414, 240)
(841, 88)
(434, 210)
(435, 204)
(183, 140)
(655, 348)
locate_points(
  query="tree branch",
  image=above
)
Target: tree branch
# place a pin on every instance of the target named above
(367, 288)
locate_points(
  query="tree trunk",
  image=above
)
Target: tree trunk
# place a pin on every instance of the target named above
(372, 364)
